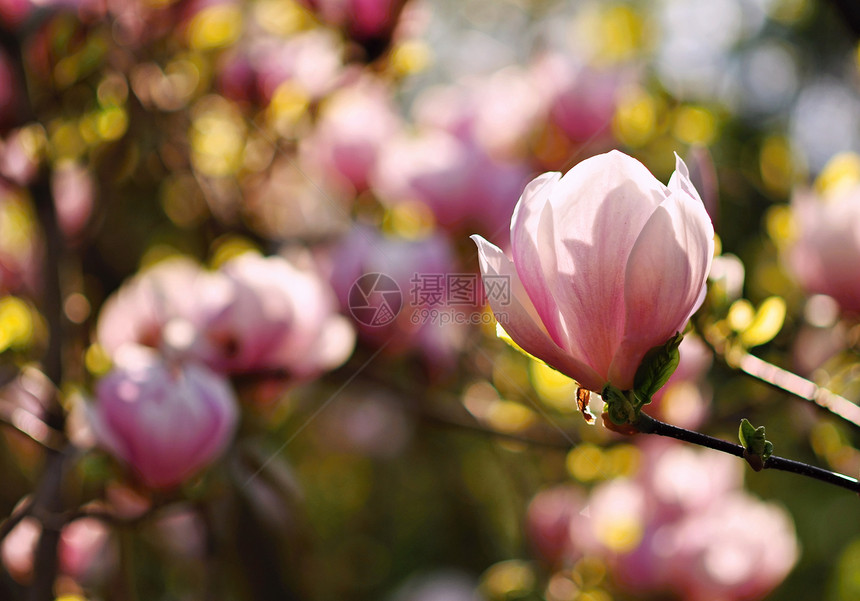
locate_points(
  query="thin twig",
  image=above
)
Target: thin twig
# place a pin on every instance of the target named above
(648, 425)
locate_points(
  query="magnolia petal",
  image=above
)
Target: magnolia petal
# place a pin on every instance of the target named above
(667, 269)
(599, 209)
(520, 319)
(680, 181)
(530, 245)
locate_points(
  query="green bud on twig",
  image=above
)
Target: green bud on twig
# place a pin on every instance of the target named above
(757, 448)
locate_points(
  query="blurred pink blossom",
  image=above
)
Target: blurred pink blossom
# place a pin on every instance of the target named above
(13, 12)
(354, 124)
(315, 337)
(551, 518)
(685, 525)
(607, 263)
(460, 184)
(254, 314)
(73, 189)
(582, 98)
(18, 547)
(825, 257)
(408, 263)
(17, 160)
(499, 113)
(312, 60)
(167, 421)
(739, 549)
(88, 551)
(362, 19)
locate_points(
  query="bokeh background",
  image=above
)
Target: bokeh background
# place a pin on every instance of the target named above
(423, 459)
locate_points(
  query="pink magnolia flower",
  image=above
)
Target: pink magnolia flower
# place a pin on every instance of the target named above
(297, 304)
(499, 113)
(166, 421)
(415, 267)
(354, 124)
(582, 98)
(607, 264)
(684, 524)
(255, 313)
(825, 258)
(73, 188)
(457, 180)
(552, 516)
(311, 60)
(88, 551)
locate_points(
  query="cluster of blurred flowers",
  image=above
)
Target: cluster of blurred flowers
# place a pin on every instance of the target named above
(176, 332)
(683, 524)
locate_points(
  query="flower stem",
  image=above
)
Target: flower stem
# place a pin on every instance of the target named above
(648, 425)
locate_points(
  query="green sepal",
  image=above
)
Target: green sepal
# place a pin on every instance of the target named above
(619, 405)
(656, 368)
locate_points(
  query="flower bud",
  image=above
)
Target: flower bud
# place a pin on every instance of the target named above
(167, 422)
(607, 264)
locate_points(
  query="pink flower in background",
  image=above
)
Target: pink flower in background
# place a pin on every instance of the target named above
(255, 313)
(702, 535)
(139, 312)
(607, 263)
(19, 161)
(582, 99)
(88, 551)
(409, 263)
(740, 548)
(825, 257)
(499, 113)
(353, 125)
(682, 525)
(166, 421)
(551, 519)
(311, 60)
(313, 337)
(363, 19)
(73, 190)
(457, 181)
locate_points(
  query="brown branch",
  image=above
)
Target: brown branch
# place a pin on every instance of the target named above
(649, 425)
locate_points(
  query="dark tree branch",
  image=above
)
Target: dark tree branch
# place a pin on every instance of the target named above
(649, 425)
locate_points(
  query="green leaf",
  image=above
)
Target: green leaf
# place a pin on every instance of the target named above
(757, 448)
(656, 368)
